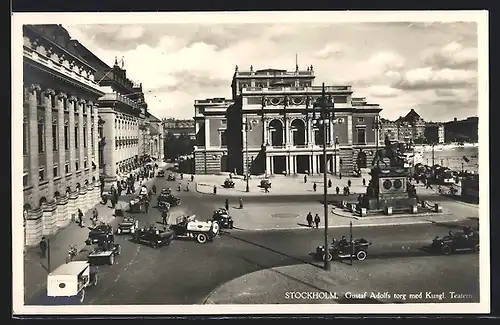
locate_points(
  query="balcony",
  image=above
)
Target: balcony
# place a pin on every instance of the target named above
(122, 99)
(313, 89)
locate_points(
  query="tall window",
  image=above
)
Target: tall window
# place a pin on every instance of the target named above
(25, 137)
(85, 137)
(41, 136)
(223, 138)
(66, 137)
(361, 135)
(92, 136)
(55, 137)
(76, 136)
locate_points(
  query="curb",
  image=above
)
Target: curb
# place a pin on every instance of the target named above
(425, 214)
(391, 224)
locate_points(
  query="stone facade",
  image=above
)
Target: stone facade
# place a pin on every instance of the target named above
(60, 157)
(269, 127)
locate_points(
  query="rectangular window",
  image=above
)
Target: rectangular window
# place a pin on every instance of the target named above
(85, 137)
(84, 164)
(25, 138)
(92, 136)
(56, 171)
(361, 136)
(54, 137)
(38, 99)
(340, 99)
(41, 136)
(223, 138)
(76, 136)
(66, 168)
(77, 165)
(66, 137)
(41, 174)
(65, 105)
(25, 179)
(53, 101)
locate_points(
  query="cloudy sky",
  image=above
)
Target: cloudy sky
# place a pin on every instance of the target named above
(431, 67)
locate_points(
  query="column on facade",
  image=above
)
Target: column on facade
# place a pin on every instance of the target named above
(271, 167)
(295, 164)
(331, 129)
(90, 186)
(81, 156)
(309, 132)
(314, 161)
(33, 219)
(109, 151)
(72, 158)
(349, 129)
(287, 164)
(286, 131)
(265, 140)
(95, 121)
(268, 165)
(62, 201)
(49, 209)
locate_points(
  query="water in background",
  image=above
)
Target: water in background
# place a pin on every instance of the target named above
(453, 158)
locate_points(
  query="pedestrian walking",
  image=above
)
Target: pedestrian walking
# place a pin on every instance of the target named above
(192, 178)
(43, 247)
(164, 216)
(428, 185)
(80, 217)
(337, 190)
(309, 219)
(305, 178)
(226, 205)
(241, 203)
(314, 186)
(364, 182)
(329, 183)
(120, 189)
(349, 183)
(215, 189)
(340, 175)
(317, 220)
(182, 176)
(146, 205)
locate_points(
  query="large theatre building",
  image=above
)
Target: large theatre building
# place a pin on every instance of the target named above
(268, 127)
(60, 132)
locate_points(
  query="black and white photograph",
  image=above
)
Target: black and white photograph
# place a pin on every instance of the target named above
(250, 162)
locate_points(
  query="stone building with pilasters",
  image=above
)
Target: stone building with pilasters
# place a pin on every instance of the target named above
(268, 127)
(60, 132)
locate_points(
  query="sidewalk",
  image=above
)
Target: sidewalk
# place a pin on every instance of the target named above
(281, 185)
(35, 268)
(277, 216)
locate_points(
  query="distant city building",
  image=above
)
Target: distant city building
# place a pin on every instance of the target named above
(267, 127)
(153, 137)
(123, 110)
(406, 129)
(60, 132)
(462, 130)
(177, 127)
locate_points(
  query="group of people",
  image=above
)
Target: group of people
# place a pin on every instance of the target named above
(310, 220)
(346, 190)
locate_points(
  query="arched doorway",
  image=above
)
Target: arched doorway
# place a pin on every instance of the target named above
(361, 160)
(298, 132)
(276, 133)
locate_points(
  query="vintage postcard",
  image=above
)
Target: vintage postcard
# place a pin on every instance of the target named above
(270, 162)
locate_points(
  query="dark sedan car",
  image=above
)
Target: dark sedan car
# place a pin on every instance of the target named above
(98, 232)
(153, 237)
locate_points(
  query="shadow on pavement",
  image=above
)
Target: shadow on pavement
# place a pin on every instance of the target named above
(304, 225)
(272, 250)
(264, 267)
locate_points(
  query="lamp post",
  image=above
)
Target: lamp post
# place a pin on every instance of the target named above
(248, 127)
(335, 155)
(376, 128)
(327, 113)
(433, 144)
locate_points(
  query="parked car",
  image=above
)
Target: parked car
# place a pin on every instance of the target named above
(357, 249)
(168, 198)
(153, 236)
(66, 285)
(105, 252)
(467, 240)
(222, 217)
(98, 232)
(171, 177)
(128, 226)
(161, 173)
(201, 231)
(228, 183)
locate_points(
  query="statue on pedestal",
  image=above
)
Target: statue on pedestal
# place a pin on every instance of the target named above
(388, 152)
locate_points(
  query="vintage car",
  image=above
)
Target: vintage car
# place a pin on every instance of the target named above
(189, 227)
(357, 249)
(98, 232)
(468, 240)
(128, 226)
(105, 251)
(152, 236)
(171, 177)
(168, 198)
(265, 183)
(137, 204)
(222, 217)
(228, 183)
(66, 285)
(166, 191)
(161, 173)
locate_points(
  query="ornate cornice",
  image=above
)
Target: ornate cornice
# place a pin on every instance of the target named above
(82, 101)
(62, 96)
(72, 99)
(90, 103)
(66, 123)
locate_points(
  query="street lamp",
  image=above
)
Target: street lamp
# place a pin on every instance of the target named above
(335, 155)
(376, 128)
(247, 127)
(327, 114)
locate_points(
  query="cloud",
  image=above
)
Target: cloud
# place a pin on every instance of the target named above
(453, 56)
(428, 78)
(330, 50)
(383, 91)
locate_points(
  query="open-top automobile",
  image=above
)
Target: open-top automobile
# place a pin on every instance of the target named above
(105, 252)
(98, 232)
(357, 249)
(152, 236)
(201, 231)
(222, 217)
(465, 241)
(128, 225)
